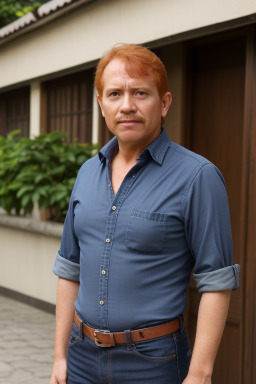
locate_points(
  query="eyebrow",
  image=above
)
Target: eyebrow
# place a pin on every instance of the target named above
(135, 88)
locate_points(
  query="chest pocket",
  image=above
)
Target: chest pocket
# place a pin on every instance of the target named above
(146, 231)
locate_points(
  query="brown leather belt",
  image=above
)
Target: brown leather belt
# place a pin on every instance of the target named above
(104, 338)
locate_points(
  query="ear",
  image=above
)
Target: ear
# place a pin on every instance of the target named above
(100, 104)
(166, 102)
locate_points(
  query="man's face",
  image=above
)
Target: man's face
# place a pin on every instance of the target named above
(132, 106)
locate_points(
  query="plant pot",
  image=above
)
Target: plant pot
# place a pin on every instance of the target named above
(45, 214)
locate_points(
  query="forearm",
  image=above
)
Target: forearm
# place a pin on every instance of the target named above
(67, 292)
(212, 315)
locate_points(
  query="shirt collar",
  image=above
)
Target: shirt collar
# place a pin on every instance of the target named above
(109, 150)
(157, 149)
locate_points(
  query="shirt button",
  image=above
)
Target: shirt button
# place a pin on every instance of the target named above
(107, 240)
(113, 208)
(101, 302)
(133, 176)
(103, 272)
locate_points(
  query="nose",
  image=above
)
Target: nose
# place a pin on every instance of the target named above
(128, 104)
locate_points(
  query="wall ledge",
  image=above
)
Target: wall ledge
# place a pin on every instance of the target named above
(29, 224)
(34, 302)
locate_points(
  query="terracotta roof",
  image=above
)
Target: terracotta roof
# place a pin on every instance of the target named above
(40, 13)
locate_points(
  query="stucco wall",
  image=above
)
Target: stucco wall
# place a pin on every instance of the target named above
(84, 34)
(27, 260)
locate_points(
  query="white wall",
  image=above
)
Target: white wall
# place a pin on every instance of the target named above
(27, 260)
(35, 105)
(86, 33)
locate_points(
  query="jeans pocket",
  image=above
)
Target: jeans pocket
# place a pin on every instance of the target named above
(74, 336)
(146, 231)
(161, 348)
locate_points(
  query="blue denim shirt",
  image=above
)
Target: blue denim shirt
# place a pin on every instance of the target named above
(134, 252)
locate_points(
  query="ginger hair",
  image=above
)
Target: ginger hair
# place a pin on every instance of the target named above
(139, 61)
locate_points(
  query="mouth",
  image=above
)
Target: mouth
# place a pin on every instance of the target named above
(129, 122)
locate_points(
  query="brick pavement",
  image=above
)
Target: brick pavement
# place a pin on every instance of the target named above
(26, 343)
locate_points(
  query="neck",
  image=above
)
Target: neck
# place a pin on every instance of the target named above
(129, 152)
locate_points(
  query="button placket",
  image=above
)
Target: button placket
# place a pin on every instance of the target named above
(104, 268)
(116, 202)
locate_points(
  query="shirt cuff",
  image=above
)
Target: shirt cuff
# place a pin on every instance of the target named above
(220, 280)
(66, 269)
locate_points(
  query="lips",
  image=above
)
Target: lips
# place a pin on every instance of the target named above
(129, 124)
(129, 121)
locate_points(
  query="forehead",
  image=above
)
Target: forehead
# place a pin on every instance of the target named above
(116, 73)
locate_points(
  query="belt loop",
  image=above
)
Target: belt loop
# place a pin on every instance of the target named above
(81, 330)
(182, 323)
(130, 345)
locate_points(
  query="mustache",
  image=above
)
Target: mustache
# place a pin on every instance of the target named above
(129, 117)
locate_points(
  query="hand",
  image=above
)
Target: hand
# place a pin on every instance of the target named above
(59, 372)
(197, 379)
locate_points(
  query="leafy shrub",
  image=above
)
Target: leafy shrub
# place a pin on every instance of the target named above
(11, 10)
(39, 170)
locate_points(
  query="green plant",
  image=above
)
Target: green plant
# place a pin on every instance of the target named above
(11, 10)
(39, 170)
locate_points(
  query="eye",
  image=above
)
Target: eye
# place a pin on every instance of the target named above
(140, 93)
(114, 94)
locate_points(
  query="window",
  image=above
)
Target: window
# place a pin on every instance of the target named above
(69, 105)
(14, 111)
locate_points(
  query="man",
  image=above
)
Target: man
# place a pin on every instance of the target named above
(142, 214)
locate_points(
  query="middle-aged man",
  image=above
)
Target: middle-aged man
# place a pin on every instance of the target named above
(143, 213)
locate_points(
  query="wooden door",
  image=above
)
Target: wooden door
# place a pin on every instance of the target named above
(215, 122)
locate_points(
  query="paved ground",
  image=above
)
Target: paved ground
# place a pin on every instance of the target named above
(26, 343)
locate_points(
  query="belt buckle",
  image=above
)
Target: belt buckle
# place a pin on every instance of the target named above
(97, 341)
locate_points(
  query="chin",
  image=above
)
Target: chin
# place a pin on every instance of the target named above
(129, 137)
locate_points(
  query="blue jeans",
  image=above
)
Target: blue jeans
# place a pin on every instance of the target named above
(164, 360)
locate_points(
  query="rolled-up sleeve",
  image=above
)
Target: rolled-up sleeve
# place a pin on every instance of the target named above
(208, 231)
(220, 280)
(66, 269)
(67, 261)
